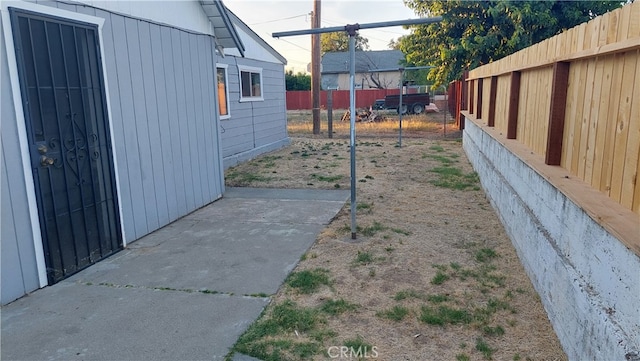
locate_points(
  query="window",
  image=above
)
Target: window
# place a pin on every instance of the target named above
(223, 91)
(250, 84)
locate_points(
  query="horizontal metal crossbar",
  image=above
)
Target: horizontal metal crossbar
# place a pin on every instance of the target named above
(355, 27)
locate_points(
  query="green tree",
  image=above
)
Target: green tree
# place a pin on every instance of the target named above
(299, 81)
(394, 44)
(473, 33)
(339, 41)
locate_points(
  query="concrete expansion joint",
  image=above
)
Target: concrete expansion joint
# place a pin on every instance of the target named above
(260, 295)
(158, 288)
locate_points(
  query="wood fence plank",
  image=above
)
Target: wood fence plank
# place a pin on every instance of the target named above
(582, 28)
(630, 180)
(525, 100)
(543, 135)
(504, 86)
(603, 29)
(491, 121)
(593, 119)
(612, 27)
(486, 91)
(551, 50)
(533, 108)
(558, 105)
(514, 97)
(526, 85)
(622, 126)
(570, 115)
(610, 135)
(586, 116)
(634, 20)
(601, 129)
(622, 26)
(533, 113)
(579, 105)
(636, 194)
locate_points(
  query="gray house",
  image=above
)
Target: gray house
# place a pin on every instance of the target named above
(335, 69)
(252, 98)
(110, 127)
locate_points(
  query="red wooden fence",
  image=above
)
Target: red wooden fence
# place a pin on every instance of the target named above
(301, 99)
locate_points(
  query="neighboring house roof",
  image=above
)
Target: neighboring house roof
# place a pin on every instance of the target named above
(236, 20)
(226, 35)
(338, 62)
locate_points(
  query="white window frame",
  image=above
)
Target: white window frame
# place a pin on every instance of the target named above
(226, 89)
(244, 68)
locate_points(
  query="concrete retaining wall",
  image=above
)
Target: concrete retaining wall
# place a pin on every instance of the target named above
(588, 281)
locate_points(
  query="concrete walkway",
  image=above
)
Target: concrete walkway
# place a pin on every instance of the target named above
(184, 292)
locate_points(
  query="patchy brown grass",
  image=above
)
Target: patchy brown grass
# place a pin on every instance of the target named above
(431, 276)
(430, 124)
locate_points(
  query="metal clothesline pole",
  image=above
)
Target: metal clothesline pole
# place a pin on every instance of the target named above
(400, 108)
(401, 70)
(352, 31)
(352, 126)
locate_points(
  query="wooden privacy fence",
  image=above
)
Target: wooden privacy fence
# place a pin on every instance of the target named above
(575, 100)
(301, 99)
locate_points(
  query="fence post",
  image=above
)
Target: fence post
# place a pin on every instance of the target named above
(479, 101)
(493, 93)
(462, 100)
(472, 88)
(514, 100)
(330, 112)
(555, 133)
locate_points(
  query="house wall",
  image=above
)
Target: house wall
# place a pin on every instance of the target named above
(252, 48)
(389, 80)
(254, 127)
(19, 269)
(160, 83)
(182, 14)
(588, 281)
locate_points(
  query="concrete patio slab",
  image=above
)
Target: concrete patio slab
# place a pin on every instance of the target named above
(186, 291)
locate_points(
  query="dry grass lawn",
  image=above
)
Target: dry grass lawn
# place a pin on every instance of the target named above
(432, 274)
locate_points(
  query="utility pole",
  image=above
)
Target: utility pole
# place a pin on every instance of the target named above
(315, 67)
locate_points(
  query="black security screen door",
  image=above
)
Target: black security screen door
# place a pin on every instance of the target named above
(66, 120)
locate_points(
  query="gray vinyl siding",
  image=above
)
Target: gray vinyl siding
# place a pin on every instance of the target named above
(165, 133)
(164, 121)
(18, 259)
(161, 82)
(254, 125)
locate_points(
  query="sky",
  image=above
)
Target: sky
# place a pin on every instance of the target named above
(268, 16)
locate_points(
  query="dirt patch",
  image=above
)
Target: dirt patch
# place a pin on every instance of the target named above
(431, 276)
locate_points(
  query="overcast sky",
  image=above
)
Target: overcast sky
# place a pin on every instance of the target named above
(267, 16)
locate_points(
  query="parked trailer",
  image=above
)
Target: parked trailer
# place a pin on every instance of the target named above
(411, 103)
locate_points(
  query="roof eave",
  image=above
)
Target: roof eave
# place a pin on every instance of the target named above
(225, 32)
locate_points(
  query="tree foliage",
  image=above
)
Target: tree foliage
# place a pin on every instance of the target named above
(299, 81)
(474, 33)
(339, 41)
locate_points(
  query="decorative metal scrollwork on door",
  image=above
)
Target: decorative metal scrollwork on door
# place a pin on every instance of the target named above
(75, 147)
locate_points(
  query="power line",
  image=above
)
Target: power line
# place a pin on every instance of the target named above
(294, 44)
(275, 20)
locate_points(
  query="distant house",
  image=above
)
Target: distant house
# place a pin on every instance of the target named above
(111, 128)
(335, 69)
(251, 96)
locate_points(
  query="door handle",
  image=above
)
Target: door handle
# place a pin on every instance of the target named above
(45, 161)
(42, 149)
